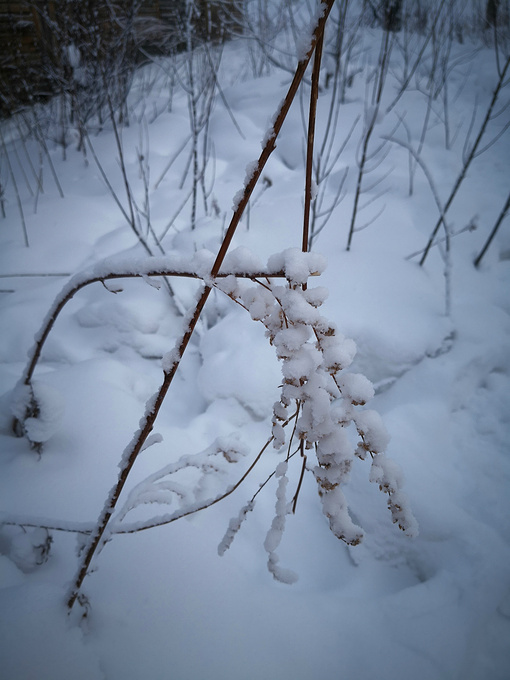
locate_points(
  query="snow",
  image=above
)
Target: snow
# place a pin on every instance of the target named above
(275, 533)
(297, 266)
(42, 426)
(397, 395)
(233, 527)
(304, 41)
(49, 646)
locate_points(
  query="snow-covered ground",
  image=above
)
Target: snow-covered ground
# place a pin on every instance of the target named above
(162, 602)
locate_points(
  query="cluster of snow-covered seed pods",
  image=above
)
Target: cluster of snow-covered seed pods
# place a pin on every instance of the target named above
(326, 403)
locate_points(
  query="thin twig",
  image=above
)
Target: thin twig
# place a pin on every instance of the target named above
(470, 157)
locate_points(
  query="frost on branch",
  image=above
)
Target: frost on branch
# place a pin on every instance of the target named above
(323, 401)
(168, 484)
(233, 527)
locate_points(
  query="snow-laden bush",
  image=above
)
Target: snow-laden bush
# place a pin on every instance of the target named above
(320, 415)
(321, 409)
(28, 548)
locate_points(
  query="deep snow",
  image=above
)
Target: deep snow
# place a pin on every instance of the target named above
(163, 604)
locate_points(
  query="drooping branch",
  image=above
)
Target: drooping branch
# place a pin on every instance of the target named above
(146, 270)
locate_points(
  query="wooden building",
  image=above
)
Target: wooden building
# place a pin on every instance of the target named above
(41, 40)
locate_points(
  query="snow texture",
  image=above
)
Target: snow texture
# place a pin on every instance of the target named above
(268, 359)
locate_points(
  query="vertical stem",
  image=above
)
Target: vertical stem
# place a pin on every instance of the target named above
(271, 138)
(314, 94)
(384, 56)
(447, 270)
(194, 141)
(129, 197)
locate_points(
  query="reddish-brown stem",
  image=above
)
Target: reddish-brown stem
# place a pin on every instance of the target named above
(271, 139)
(147, 423)
(314, 94)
